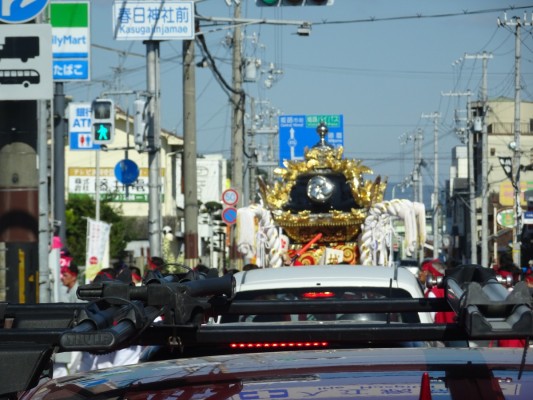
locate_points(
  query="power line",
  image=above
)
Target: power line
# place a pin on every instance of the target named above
(420, 16)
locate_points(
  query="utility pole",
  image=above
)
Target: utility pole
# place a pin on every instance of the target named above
(253, 160)
(471, 181)
(419, 193)
(517, 255)
(59, 159)
(237, 136)
(189, 156)
(417, 138)
(471, 186)
(44, 288)
(237, 99)
(436, 204)
(154, 146)
(484, 160)
(517, 23)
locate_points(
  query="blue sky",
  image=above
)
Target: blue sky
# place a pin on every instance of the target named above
(379, 63)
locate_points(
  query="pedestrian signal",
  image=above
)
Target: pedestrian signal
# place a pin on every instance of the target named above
(103, 121)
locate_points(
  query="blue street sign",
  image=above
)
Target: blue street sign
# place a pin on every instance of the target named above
(126, 171)
(82, 141)
(15, 12)
(296, 132)
(229, 215)
(79, 127)
(70, 70)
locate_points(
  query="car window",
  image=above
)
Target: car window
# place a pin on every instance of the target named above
(324, 294)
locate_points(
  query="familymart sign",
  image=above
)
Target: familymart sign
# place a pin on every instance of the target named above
(71, 41)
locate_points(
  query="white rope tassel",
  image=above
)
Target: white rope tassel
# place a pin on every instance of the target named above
(375, 242)
(273, 242)
(406, 212)
(246, 233)
(260, 238)
(420, 212)
(367, 244)
(261, 259)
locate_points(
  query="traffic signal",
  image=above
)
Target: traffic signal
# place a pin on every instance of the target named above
(103, 121)
(282, 3)
(139, 124)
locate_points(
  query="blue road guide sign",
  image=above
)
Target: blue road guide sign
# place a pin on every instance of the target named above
(126, 171)
(18, 11)
(296, 132)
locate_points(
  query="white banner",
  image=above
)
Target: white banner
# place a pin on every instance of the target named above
(97, 256)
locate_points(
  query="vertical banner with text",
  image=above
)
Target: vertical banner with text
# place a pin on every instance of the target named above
(97, 250)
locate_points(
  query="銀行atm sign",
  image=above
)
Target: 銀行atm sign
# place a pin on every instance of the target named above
(79, 127)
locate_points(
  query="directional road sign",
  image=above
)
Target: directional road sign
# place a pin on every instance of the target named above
(18, 11)
(296, 132)
(153, 20)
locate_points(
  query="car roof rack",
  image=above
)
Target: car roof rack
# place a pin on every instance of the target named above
(118, 315)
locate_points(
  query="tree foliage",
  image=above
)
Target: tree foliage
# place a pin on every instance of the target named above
(213, 206)
(78, 209)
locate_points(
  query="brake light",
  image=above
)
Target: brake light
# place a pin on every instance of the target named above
(277, 345)
(317, 295)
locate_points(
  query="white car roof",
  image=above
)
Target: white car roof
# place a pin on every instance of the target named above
(327, 275)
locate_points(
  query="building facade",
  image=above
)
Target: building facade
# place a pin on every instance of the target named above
(500, 137)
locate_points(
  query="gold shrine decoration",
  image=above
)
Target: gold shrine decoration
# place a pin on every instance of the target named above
(314, 255)
(336, 226)
(364, 192)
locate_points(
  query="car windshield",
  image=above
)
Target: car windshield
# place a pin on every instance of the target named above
(323, 294)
